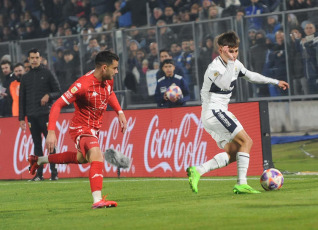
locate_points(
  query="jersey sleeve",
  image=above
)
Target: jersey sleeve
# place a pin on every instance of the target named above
(76, 90)
(220, 78)
(254, 77)
(55, 112)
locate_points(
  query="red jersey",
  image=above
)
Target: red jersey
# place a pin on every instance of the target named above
(90, 98)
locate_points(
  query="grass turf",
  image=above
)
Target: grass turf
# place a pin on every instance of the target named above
(169, 203)
(159, 204)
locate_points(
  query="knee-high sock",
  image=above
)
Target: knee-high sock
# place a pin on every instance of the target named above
(243, 160)
(60, 158)
(96, 180)
(218, 161)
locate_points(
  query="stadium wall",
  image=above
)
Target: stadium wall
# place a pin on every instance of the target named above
(294, 116)
(160, 142)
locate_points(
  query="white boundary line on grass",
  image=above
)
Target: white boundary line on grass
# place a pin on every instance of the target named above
(115, 180)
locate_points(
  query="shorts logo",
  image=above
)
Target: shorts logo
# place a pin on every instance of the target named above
(97, 175)
(74, 89)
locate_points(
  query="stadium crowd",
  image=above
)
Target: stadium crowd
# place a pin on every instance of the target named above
(31, 19)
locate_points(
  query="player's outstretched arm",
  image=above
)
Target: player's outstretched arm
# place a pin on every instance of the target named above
(283, 85)
(51, 141)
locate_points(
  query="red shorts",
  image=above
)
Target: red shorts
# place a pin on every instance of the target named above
(84, 138)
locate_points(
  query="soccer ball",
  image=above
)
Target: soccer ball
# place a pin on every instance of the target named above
(272, 179)
(173, 92)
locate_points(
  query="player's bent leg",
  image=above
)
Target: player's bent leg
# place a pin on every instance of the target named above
(194, 178)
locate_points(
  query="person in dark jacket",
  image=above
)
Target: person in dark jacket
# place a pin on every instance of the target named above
(38, 88)
(168, 80)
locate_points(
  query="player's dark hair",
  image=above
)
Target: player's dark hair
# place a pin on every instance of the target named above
(105, 57)
(229, 39)
(34, 50)
(168, 61)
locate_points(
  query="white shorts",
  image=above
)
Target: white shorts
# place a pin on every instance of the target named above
(223, 126)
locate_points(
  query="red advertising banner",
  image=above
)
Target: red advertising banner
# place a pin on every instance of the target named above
(160, 142)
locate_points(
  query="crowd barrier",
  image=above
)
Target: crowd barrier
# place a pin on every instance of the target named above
(160, 142)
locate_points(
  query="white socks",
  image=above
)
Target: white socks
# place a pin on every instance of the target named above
(218, 161)
(243, 160)
(97, 196)
(43, 160)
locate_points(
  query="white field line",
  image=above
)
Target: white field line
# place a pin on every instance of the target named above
(114, 180)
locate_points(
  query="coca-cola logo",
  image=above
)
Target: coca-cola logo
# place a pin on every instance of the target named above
(167, 145)
(24, 146)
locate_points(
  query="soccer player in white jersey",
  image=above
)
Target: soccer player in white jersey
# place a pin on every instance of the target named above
(221, 124)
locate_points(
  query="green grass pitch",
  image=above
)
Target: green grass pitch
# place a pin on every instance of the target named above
(167, 203)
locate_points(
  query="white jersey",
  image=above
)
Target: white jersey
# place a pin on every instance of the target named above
(220, 79)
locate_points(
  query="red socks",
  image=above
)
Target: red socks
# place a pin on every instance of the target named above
(63, 158)
(96, 176)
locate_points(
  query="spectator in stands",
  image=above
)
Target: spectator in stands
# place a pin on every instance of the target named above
(135, 34)
(185, 58)
(103, 6)
(175, 51)
(156, 16)
(204, 13)
(94, 21)
(272, 5)
(153, 56)
(82, 23)
(194, 12)
(72, 8)
(26, 65)
(44, 29)
(107, 23)
(205, 57)
(93, 45)
(7, 34)
(212, 28)
(271, 27)
(277, 63)
(168, 14)
(14, 19)
(150, 37)
(6, 110)
(138, 14)
(255, 8)
(70, 69)
(168, 80)
(165, 54)
(121, 20)
(167, 36)
(14, 88)
(257, 57)
(308, 48)
(57, 12)
(296, 67)
(90, 62)
(251, 33)
(231, 8)
(30, 31)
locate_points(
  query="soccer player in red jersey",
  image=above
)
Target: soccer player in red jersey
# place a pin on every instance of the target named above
(90, 94)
